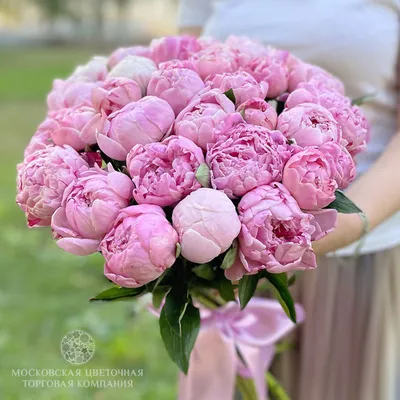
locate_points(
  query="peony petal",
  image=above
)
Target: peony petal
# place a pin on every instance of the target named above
(79, 247)
(111, 148)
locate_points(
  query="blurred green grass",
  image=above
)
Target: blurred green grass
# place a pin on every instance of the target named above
(44, 291)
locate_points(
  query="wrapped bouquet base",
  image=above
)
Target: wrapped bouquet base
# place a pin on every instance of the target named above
(198, 168)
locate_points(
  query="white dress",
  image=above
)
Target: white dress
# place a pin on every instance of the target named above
(349, 346)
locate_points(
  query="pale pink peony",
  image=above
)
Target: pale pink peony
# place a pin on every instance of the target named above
(140, 246)
(118, 55)
(69, 123)
(89, 208)
(93, 71)
(247, 156)
(207, 116)
(42, 180)
(69, 94)
(309, 179)
(271, 69)
(176, 86)
(246, 49)
(164, 173)
(341, 162)
(139, 69)
(244, 86)
(215, 59)
(177, 64)
(207, 224)
(309, 125)
(174, 47)
(42, 138)
(275, 234)
(114, 94)
(145, 121)
(257, 111)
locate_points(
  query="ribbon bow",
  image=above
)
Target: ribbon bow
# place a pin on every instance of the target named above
(225, 332)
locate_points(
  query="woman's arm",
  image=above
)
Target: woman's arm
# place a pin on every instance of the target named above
(192, 16)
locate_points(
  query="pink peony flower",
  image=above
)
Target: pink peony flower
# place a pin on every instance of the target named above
(271, 69)
(177, 64)
(309, 179)
(324, 222)
(70, 94)
(207, 224)
(89, 208)
(207, 116)
(176, 86)
(95, 70)
(246, 157)
(246, 49)
(244, 86)
(275, 234)
(174, 47)
(139, 69)
(341, 162)
(69, 122)
(214, 59)
(42, 180)
(145, 121)
(114, 94)
(309, 125)
(164, 173)
(118, 55)
(42, 138)
(140, 246)
(257, 111)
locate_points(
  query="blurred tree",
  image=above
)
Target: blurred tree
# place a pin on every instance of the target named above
(51, 10)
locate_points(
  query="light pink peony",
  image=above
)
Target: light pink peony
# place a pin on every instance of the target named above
(247, 156)
(139, 69)
(145, 121)
(341, 162)
(89, 208)
(271, 69)
(177, 64)
(309, 125)
(69, 123)
(174, 47)
(140, 246)
(207, 224)
(93, 71)
(176, 86)
(246, 49)
(114, 94)
(309, 179)
(164, 173)
(244, 86)
(42, 138)
(42, 180)
(69, 94)
(207, 116)
(257, 111)
(118, 55)
(275, 234)
(215, 59)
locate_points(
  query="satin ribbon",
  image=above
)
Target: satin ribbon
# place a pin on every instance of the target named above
(215, 362)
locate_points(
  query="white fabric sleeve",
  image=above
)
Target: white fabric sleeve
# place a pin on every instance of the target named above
(194, 12)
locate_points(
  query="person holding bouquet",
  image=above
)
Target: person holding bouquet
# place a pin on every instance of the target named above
(349, 346)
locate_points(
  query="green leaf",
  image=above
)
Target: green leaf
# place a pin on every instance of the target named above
(203, 175)
(243, 112)
(178, 250)
(158, 296)
(225, 289)
(175, 305)
(204, 271)
(230, 257)
(180, 346)
(247, 287)
(280, 283)
(343, 204)
(230, 95)
(119, 293)
(359, 101)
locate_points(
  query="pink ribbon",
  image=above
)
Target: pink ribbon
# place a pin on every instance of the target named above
(215, 362)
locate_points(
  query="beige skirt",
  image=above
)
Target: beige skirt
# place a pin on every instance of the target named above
(348, 348)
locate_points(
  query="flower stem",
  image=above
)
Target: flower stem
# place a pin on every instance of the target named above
(246, 388)
(276, 391)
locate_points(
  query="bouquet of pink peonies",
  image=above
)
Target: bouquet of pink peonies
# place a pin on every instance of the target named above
(197, 169)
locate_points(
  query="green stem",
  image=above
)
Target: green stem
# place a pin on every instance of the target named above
(246, 388)
(276, 391)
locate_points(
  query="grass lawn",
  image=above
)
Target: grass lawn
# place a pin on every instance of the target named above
(44, 291)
